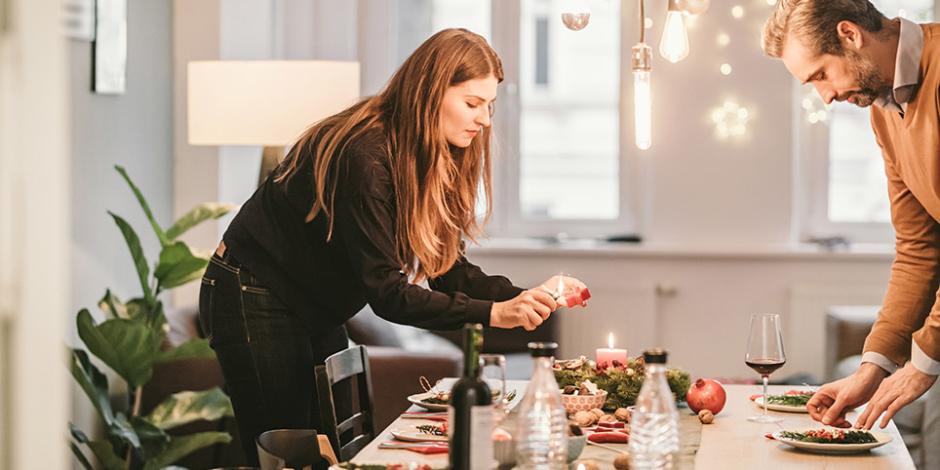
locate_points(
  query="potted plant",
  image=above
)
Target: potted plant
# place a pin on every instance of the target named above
(131, 340)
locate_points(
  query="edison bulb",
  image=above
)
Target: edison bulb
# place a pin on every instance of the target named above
(642, 109)
(694, 7)
(674, 45)
(576, 14)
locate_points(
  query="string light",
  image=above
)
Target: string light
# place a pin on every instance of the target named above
(723, 39)
(648, 23)
(737, 12)
(730, 120)
(725, 69)
(815, 110)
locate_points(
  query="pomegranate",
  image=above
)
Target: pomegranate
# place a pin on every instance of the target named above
(706, 394)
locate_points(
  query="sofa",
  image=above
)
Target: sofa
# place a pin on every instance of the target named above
(919, 423)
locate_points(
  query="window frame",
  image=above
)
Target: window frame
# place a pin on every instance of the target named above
(812, 187)
(508, 219)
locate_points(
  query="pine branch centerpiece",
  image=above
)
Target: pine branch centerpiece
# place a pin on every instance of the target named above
(621, 381)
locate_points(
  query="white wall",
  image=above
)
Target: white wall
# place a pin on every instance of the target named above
(703, 190)
(134, 130)
(35, 225)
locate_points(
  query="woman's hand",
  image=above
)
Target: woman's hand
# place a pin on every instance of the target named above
(560, 287)
(528, 310)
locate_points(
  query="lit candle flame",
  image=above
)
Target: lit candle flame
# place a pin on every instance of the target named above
(610, 340)
(581, 466)
(561, 285)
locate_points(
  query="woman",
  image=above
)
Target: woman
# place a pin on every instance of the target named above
(367, 204)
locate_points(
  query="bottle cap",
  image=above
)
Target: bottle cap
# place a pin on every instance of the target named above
(543, 349)
(655, 356)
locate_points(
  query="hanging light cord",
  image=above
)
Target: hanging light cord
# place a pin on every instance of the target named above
(642, 20)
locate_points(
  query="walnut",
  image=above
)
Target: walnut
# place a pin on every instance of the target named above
(609, 419)
(622, 462)
(706, 417)
(622, 414)
(598, 412)
(569, 390)
(584, 418)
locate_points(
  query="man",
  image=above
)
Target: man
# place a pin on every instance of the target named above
(851, 52)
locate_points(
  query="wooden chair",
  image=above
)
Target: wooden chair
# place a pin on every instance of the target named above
(352, 362)
(294, 448)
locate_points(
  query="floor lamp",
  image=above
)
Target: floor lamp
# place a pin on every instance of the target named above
(266, 103)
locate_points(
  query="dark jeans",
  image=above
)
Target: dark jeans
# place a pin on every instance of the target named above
(266, 353)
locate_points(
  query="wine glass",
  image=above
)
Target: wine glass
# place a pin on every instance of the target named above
(765, 354)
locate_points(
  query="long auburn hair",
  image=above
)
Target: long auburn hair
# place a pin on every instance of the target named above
(435, 183)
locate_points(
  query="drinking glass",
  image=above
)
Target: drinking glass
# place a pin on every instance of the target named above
(765, 354)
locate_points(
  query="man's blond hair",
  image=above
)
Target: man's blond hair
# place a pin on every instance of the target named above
(814, 22)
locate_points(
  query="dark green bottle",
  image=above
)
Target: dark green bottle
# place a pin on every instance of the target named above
(471, 409)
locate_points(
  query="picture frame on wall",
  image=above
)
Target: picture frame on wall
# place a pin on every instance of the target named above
(79, 19)
(109, 48)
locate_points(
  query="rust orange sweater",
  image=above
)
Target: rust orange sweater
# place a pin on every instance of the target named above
(911, 149)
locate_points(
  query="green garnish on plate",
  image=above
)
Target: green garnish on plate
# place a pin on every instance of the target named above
(825, 436)
(789, 400)
(440, 400)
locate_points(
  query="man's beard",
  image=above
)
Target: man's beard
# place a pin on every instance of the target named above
(870, 83)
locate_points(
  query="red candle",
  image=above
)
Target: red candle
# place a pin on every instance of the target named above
(605, 357)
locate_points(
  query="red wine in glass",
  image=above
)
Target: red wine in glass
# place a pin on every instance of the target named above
(765, 366)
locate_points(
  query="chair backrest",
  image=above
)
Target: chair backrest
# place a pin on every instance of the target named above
(352, 362)
(289, 448)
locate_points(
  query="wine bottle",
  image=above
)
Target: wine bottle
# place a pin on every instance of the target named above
(470, 413)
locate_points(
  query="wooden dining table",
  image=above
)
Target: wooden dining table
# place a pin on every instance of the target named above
(730, 442)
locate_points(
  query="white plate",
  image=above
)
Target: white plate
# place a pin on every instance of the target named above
(881, 439)
(412, 434)
(418, 397)
(417, 400)
(759, 401)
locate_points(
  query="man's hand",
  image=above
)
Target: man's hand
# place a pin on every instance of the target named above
(830, 403)
(895, 392)
(528, 310)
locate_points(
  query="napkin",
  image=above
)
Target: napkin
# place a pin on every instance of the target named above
(429, 448)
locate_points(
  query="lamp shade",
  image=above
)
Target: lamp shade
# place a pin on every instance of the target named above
(267, 103)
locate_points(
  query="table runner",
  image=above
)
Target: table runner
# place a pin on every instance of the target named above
(690, 438)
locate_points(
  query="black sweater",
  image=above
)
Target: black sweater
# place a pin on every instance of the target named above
(326, 283)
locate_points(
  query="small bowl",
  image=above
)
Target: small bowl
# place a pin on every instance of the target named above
(576, 446)
(576, 403)
(505, 450)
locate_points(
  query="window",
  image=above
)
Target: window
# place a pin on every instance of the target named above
(557, 125)
(850, 198)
